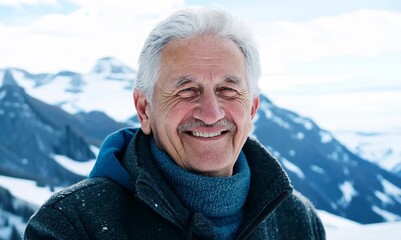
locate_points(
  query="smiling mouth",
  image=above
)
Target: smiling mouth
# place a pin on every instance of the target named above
(206, 135)
(200, 130)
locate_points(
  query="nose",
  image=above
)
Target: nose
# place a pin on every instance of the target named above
(209, 109)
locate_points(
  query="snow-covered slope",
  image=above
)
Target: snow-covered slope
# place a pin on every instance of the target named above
(27, 190)
(324, 170)
(382, 148)
(344, 229)
(14, 214)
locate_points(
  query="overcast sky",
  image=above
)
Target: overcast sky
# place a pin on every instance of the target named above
(307, 46)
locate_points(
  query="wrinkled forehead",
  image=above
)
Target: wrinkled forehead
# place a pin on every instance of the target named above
(201, 43)
(202, 54)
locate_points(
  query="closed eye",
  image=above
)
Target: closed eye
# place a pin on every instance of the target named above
(227, 92)
(188, 92)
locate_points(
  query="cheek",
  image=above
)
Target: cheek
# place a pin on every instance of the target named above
(240, 110)
(241, 114)
(177, 114)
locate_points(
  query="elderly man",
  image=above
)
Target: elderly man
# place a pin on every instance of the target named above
(190, 171)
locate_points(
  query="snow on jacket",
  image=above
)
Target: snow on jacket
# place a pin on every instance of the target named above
(127, 198)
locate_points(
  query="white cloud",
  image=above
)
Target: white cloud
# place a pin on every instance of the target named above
(118, 28)
(76, 40)
(132, 7)
(365, 33)
(17, 3)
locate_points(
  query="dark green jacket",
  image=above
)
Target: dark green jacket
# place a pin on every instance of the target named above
(141, 205)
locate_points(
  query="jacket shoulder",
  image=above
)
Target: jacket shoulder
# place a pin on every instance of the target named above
(82, 191)
(67, 213)
(297, 201)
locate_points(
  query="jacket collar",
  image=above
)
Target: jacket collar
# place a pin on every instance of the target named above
(108, 163)
(270, 186)
(149, 185)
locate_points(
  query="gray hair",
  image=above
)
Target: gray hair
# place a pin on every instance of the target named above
(189, 23)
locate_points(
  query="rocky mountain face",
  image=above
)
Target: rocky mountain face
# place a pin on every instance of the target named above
(321, 168)
(29, 138)
(34, 132)
(64, 114)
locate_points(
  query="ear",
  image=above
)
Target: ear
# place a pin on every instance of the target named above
(255, 106)
(143, 109)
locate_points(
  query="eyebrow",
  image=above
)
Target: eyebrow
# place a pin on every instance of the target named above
(232, 79)
(182, 80)
(185, 79)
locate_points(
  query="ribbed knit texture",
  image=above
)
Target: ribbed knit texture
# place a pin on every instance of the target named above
(220, 199)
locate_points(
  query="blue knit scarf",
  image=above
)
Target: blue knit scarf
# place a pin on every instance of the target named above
(220, 199)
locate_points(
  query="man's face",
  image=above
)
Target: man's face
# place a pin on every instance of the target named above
(202, 112)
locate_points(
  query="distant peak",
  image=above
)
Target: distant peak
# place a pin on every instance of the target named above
(109, 60)
(12, 93)
(8, 78)
(110, 65)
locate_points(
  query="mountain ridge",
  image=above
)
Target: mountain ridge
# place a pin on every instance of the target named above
(323, 169)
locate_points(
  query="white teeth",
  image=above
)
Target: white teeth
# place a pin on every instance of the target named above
(206, 135)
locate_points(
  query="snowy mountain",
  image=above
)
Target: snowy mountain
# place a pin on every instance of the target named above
(30, 137)
(109, 80)
(320, 167)
(35, 134)
(382, 148)
(52, 142)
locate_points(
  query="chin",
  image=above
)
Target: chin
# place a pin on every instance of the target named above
(215, 170)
